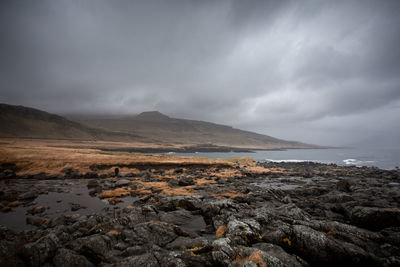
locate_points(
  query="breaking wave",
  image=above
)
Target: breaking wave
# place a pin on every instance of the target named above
(357, 162)
(290, 160)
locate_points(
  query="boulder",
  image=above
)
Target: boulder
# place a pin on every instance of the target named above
(185, 181)
(243, 232)
(319, 249)
(375, 218)
(92, 184)
(95, 247)
(154, 232)
(146, 259)
(177, 217)
(9, 254)
(41, 251)
(122, 182)
(68, 258)
(276, 251)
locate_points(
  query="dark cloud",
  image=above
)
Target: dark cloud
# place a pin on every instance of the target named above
(317, 71)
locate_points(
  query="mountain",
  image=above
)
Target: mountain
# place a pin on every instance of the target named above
(25, 122)
(162, 128)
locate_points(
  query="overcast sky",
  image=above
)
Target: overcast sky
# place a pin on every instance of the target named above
(324, 72)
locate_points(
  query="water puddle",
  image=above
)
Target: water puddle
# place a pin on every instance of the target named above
(76, 201)
(196, 224)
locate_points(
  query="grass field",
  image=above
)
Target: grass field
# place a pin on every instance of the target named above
(51, 156)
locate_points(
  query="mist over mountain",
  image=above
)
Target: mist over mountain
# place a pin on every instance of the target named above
(25, 122)
(150, 127)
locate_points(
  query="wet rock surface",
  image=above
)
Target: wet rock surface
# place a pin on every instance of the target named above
(272, 214)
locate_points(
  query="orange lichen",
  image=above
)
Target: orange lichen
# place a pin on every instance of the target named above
(254, 257)
(195, 248)
(221, 231)
(328, 233)
(114, 232)
(287, 241)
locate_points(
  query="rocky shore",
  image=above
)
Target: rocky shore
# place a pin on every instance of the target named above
(269, 214)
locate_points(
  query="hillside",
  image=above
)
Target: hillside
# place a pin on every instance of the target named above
(25, 122)
(158, 126)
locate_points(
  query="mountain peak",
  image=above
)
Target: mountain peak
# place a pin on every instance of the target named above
(152, 115)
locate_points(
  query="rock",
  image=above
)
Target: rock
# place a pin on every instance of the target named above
(277, 252)
(67, 171)
(312, 220)
(92, 184)
(146, 259)
(254, 257)
(178, 171)
(91, 174)
(75, 175)
(66, 258)
(8, 174)
(36, 210)
(158, 233)
(9, 254)
(6, 209)
(14, 204)
(37, 221)
(95, 247)
(191, 203)
(317, 248)
(177, 217)
(122, 182)
(75, 207)
(243, 232)
(183, 243)
(222, 253)
(28, 195)
(375, 218)
(134, 250)
(343, 185)
(185, 181)
(39, 252)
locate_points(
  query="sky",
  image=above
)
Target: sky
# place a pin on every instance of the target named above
(321, 72)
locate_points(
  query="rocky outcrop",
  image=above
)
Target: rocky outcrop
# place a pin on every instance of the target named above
(296, 216)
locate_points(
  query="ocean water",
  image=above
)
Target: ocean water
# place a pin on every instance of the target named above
(382, 158)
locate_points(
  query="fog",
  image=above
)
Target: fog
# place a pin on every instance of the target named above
(321, 72)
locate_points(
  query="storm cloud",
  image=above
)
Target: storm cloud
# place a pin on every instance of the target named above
(325, 72)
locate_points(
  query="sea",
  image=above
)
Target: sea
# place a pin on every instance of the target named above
(381, 158)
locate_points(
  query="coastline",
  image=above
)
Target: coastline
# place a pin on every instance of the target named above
(297, 214)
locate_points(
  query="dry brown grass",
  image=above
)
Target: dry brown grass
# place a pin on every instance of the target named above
(116, 193)
(163, 189)
(229, 194)
(261, 170)
(225, 173)
(204, 181)
(51, 156)
(221, 231)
